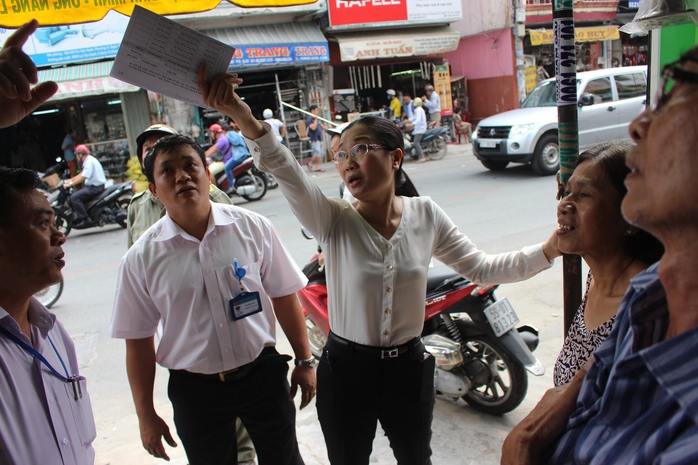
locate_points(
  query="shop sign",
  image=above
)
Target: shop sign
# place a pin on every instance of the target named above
(581, 34)
(360, 12)
(92, 86)
(442, 85)
(70, 44)
(530, 78)
(252, 55)
(371, 47)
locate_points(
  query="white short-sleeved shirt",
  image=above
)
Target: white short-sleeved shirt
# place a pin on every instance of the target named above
(376, 287)
(40, 420)
(276, 126)
(171, 276)
(93, 172)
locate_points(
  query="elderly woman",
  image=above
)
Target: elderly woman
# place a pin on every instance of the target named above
(591, 225)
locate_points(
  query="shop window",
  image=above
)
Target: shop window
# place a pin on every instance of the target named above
(631, 85)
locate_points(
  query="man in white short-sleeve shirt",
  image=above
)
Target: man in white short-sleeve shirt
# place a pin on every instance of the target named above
(218, 277)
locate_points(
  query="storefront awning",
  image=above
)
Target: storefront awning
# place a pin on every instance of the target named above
(84, 80)
(581, 34)
(288, 43)
(393, 43)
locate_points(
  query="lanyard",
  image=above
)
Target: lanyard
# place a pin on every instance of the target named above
(68, 379)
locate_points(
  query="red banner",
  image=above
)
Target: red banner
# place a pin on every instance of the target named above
(344, 12)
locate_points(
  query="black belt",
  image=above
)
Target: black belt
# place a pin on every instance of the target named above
(229, 375)
(377, 352)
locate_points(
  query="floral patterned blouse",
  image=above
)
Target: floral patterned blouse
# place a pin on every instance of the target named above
(580, 343)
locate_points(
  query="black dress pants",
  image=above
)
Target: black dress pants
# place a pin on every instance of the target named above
(206, 408)
(356, 389)
(84, 195)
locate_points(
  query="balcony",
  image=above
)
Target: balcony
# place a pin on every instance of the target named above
(540, 12)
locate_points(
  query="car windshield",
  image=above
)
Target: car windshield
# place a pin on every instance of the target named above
(542, 96)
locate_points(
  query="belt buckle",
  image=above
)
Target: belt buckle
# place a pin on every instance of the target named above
(390, 353)
(222, 374)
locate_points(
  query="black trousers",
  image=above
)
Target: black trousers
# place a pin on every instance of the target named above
(205, 411)
(78, 199)
(357, 389)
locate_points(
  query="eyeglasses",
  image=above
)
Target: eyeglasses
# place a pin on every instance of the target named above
(357, 152)
(671, 73)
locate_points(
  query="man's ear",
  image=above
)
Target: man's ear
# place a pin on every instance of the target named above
(153, 190)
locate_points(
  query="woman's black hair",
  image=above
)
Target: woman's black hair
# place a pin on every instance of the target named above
(610, 156)
(165, 145)
(388, 134)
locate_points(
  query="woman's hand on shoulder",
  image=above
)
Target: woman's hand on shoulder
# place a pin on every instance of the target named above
(220, 95)
(550, 248)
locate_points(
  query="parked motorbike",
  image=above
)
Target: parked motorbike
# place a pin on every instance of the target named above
(250, 183)
(50, 295)
(109, 207)
(433, 144)
(480, 354)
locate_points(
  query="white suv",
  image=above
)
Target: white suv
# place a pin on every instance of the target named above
(609, 99)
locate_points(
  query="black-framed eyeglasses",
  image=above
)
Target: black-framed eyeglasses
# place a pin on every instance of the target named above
(357, 152)
(670, 74)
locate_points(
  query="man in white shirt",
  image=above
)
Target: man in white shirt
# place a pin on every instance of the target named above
(93, 178)
(432, 102)
(205, 270)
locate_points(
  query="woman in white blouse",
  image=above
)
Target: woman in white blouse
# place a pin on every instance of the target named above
(377, 251)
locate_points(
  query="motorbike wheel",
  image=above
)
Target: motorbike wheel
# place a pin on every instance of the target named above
(122, 204)
(50, 295)
(502, 385)
(271, 181)
(437, 148)
(315, 337)
(63, 224)
(260, 183)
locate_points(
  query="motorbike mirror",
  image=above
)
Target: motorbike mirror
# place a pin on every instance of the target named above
(306, 234)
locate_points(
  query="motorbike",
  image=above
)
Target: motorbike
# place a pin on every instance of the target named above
(250, 183)
(50, 295)
(109, 207)
(481, 356)
(433, 144)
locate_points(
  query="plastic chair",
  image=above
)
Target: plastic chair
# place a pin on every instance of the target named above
(303, 138)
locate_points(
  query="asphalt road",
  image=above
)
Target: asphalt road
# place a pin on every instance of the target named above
(500, 211)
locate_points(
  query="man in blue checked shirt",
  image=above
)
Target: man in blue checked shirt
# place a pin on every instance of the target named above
(638, 402)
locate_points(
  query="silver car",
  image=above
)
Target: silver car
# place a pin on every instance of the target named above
(608, 101)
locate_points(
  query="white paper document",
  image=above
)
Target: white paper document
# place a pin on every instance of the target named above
(162, 56)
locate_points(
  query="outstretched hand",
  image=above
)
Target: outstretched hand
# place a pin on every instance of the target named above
(17, 73)
(220, 95)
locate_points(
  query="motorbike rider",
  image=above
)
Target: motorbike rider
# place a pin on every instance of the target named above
(240, 153)
(395, 107)
(419, 121)
(93, 179)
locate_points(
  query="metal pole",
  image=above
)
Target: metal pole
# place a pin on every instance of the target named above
(568, 137)
(309, 114)
(281, 108)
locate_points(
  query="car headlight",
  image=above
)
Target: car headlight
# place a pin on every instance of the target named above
(520, 130)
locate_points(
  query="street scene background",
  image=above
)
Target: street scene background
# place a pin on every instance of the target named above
(499, 211)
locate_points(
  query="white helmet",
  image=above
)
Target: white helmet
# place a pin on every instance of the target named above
(268, 113)
(418, 102)
(390, 92)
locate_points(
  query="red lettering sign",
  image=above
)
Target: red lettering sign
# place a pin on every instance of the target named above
(344, 12)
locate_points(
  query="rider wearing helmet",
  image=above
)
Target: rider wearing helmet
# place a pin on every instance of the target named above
(277, 126)
(93, 179)
(395, 105)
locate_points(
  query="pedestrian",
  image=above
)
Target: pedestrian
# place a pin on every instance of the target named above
(277, 125)
(92, 178)
(68, 145)
(317, 139)
(205, 272)
(240, 154)
(144, 211)
(407, 105)
(377, 249)
(47, 415)
(395, 106)
(432, 102)
(419, 124)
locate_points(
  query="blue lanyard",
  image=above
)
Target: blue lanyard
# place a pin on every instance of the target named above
(36, 354)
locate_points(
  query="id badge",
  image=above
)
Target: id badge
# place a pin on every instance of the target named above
(244, 305)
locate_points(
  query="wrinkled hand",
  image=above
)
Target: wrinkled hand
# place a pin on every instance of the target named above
(17, 73)
(220, 95)
(530, 439)
(153, 429)
(305, 378)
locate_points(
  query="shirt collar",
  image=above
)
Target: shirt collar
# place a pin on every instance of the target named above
(219, 216)
(38, 316)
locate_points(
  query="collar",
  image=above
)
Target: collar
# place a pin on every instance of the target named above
(219, 216)
(38, 315)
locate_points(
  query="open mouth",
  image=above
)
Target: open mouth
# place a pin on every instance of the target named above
(566, 227)
(353, 180)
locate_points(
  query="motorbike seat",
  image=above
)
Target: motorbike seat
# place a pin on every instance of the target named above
(102, 195)
(439, 275)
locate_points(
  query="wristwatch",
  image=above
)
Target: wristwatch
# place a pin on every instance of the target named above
(308, 362)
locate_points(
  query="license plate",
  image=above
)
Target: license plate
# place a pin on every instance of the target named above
(488, 144)
(501, 316)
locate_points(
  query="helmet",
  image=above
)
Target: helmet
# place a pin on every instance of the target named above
(162, 129)
(429, 88)
(390, 92)
(81, 149)
(215, 128)
(417, 102)
(268, 113)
